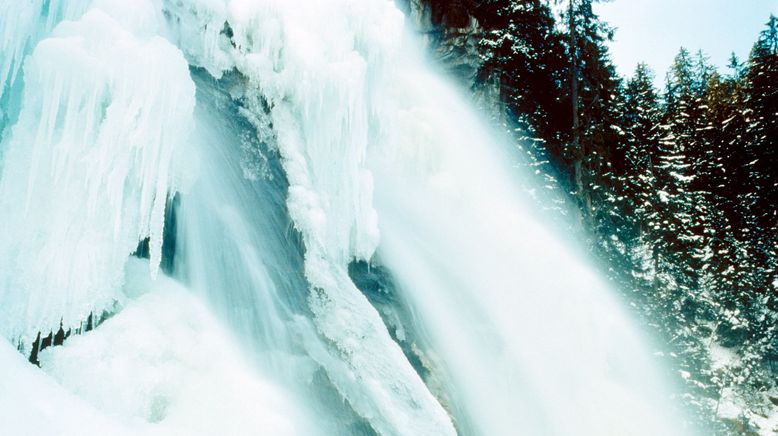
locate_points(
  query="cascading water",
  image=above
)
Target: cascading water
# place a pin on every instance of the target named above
(529, 337)
(305, 138)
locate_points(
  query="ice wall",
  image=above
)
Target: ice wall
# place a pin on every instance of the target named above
(87, 168)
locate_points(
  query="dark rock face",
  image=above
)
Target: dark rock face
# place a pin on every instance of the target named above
(451, 13)
(452, 36)
(450, 32)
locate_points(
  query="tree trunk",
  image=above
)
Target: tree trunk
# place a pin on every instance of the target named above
(579, 153)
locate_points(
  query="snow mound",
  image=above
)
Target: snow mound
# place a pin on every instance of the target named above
(32, 404)
(163, 366)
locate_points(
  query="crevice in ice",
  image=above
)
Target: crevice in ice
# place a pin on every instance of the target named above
(228, 33)
(169, 231)
(59, 337)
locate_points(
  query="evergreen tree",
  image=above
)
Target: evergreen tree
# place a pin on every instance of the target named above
(678, 238)
(640, 121)
(762, 106)
(523, 49)
(761, 197)
(591, 148)
(635, 165)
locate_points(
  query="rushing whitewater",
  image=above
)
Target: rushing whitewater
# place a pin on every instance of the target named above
(346, 247)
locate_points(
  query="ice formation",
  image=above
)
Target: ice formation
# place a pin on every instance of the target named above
(23, 24)
(279, 119)
(317, 67)
(87, 169)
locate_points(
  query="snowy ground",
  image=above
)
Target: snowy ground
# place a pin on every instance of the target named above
(163, 365)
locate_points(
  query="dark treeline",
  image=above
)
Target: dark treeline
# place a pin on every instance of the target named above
(676, 187)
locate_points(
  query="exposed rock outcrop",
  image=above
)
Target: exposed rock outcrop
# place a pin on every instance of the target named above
(452, 36)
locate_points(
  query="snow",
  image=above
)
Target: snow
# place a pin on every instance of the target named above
(768, 426)
(88, 169)
(163, 366)
(32, 404)
(682, 178)
(721, 357)
(732, 406)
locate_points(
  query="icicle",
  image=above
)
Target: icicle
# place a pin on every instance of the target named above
(88, 170)
(22, 24)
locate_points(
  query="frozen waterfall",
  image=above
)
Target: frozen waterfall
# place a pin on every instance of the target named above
(346, 248)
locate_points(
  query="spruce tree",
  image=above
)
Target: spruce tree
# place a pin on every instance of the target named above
(761, 197)
(762, 105)
(522, 47)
